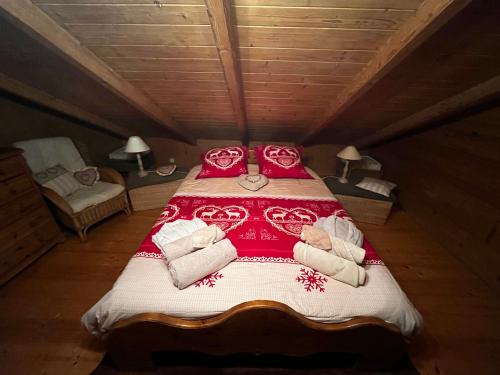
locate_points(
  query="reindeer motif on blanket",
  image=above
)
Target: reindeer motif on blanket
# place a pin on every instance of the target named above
(303, 217)
(208, 214)
(233, 214)
(278, 215)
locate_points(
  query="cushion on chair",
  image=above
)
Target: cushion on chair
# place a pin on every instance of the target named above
(43, 153)
(57, 178)
(87, 176)
(92, 195)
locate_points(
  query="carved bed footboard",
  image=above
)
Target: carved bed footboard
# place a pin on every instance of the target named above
(253, 327)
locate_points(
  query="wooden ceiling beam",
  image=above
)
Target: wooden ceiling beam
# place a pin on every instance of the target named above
(463, 101)
(429, 17)
(24, 91)
(219, 12)
(27, 16)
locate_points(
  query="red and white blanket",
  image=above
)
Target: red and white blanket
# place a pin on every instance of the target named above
(263, 229)
(263, 226)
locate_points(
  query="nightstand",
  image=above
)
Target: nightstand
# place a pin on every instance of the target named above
(152, 191)
(362, 205)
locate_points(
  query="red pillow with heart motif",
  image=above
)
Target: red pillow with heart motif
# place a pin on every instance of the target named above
(281, 162)
(224, 162)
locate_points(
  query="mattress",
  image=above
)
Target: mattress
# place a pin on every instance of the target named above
(264, 269)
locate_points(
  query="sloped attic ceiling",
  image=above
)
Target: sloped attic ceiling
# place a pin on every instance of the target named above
(28, 61)
(273, 69)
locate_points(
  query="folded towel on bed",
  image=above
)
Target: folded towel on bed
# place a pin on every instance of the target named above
(347, 250)
(321, 240)
(329, 264)
(316, 237)
(195, 266)
(171, 232)
(341, 228)
(197, 240)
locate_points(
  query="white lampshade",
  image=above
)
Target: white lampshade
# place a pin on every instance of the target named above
(135, 144)
(349, 153)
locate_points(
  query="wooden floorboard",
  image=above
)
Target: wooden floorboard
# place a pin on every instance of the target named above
(41, 308)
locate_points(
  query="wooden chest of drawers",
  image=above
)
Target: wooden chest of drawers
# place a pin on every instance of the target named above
(27, 228)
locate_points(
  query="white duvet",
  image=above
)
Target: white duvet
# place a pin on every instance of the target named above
(145, 284)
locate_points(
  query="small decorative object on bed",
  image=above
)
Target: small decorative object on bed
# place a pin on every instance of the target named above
(252, 182)
(377, 186)
(224, 162)
(136, 145)
(348, 154)
(281, 162)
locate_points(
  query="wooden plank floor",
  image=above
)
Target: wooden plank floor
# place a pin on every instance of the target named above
(40, 309)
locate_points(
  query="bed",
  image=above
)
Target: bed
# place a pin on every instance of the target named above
(264, 302)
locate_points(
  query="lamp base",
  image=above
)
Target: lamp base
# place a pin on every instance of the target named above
(343, 180)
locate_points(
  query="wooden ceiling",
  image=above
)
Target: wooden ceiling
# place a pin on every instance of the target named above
(258, 69)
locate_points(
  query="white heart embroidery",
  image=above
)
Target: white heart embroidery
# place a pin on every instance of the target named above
(224, 158)
(282, 156)
(226, 218)
(291, 220)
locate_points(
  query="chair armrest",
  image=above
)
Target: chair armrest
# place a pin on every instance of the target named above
(57, 200)
(110, 175)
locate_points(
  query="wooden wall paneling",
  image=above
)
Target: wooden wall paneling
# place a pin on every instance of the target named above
(172, 14)
(363, 4)
(350, 18)
(171, 35)
(172, 90)
(446, 108)
(188, 100)
(306, 54)
(21, 121)
(20, 89)
(30, 18)
(455, 195)
(322, 158)
(171, 76)
(313, 102)
(227, 45)
(282, 37)
(158, 51)
(341, 69)
(208, 129)
(161, 64)
(297, 78)
(159, 86)
(430, 16)
(181, 2)
(293, 88)
(185, 155)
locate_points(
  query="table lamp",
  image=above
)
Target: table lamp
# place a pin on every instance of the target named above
(348, 154)
(136, 145)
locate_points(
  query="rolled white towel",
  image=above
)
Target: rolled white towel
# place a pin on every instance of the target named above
(197, 240)
(169, 232)
(347, 250)
(195, 266)
(341, 228)
(328, 264)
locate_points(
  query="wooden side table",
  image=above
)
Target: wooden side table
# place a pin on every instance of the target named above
(362, 205)
(152, 191)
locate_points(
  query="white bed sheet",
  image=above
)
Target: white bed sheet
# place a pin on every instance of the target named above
(145, 284)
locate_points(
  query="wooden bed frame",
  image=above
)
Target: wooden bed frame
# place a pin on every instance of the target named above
(261, 327)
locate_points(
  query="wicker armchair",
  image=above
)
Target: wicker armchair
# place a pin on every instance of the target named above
(106, 198)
